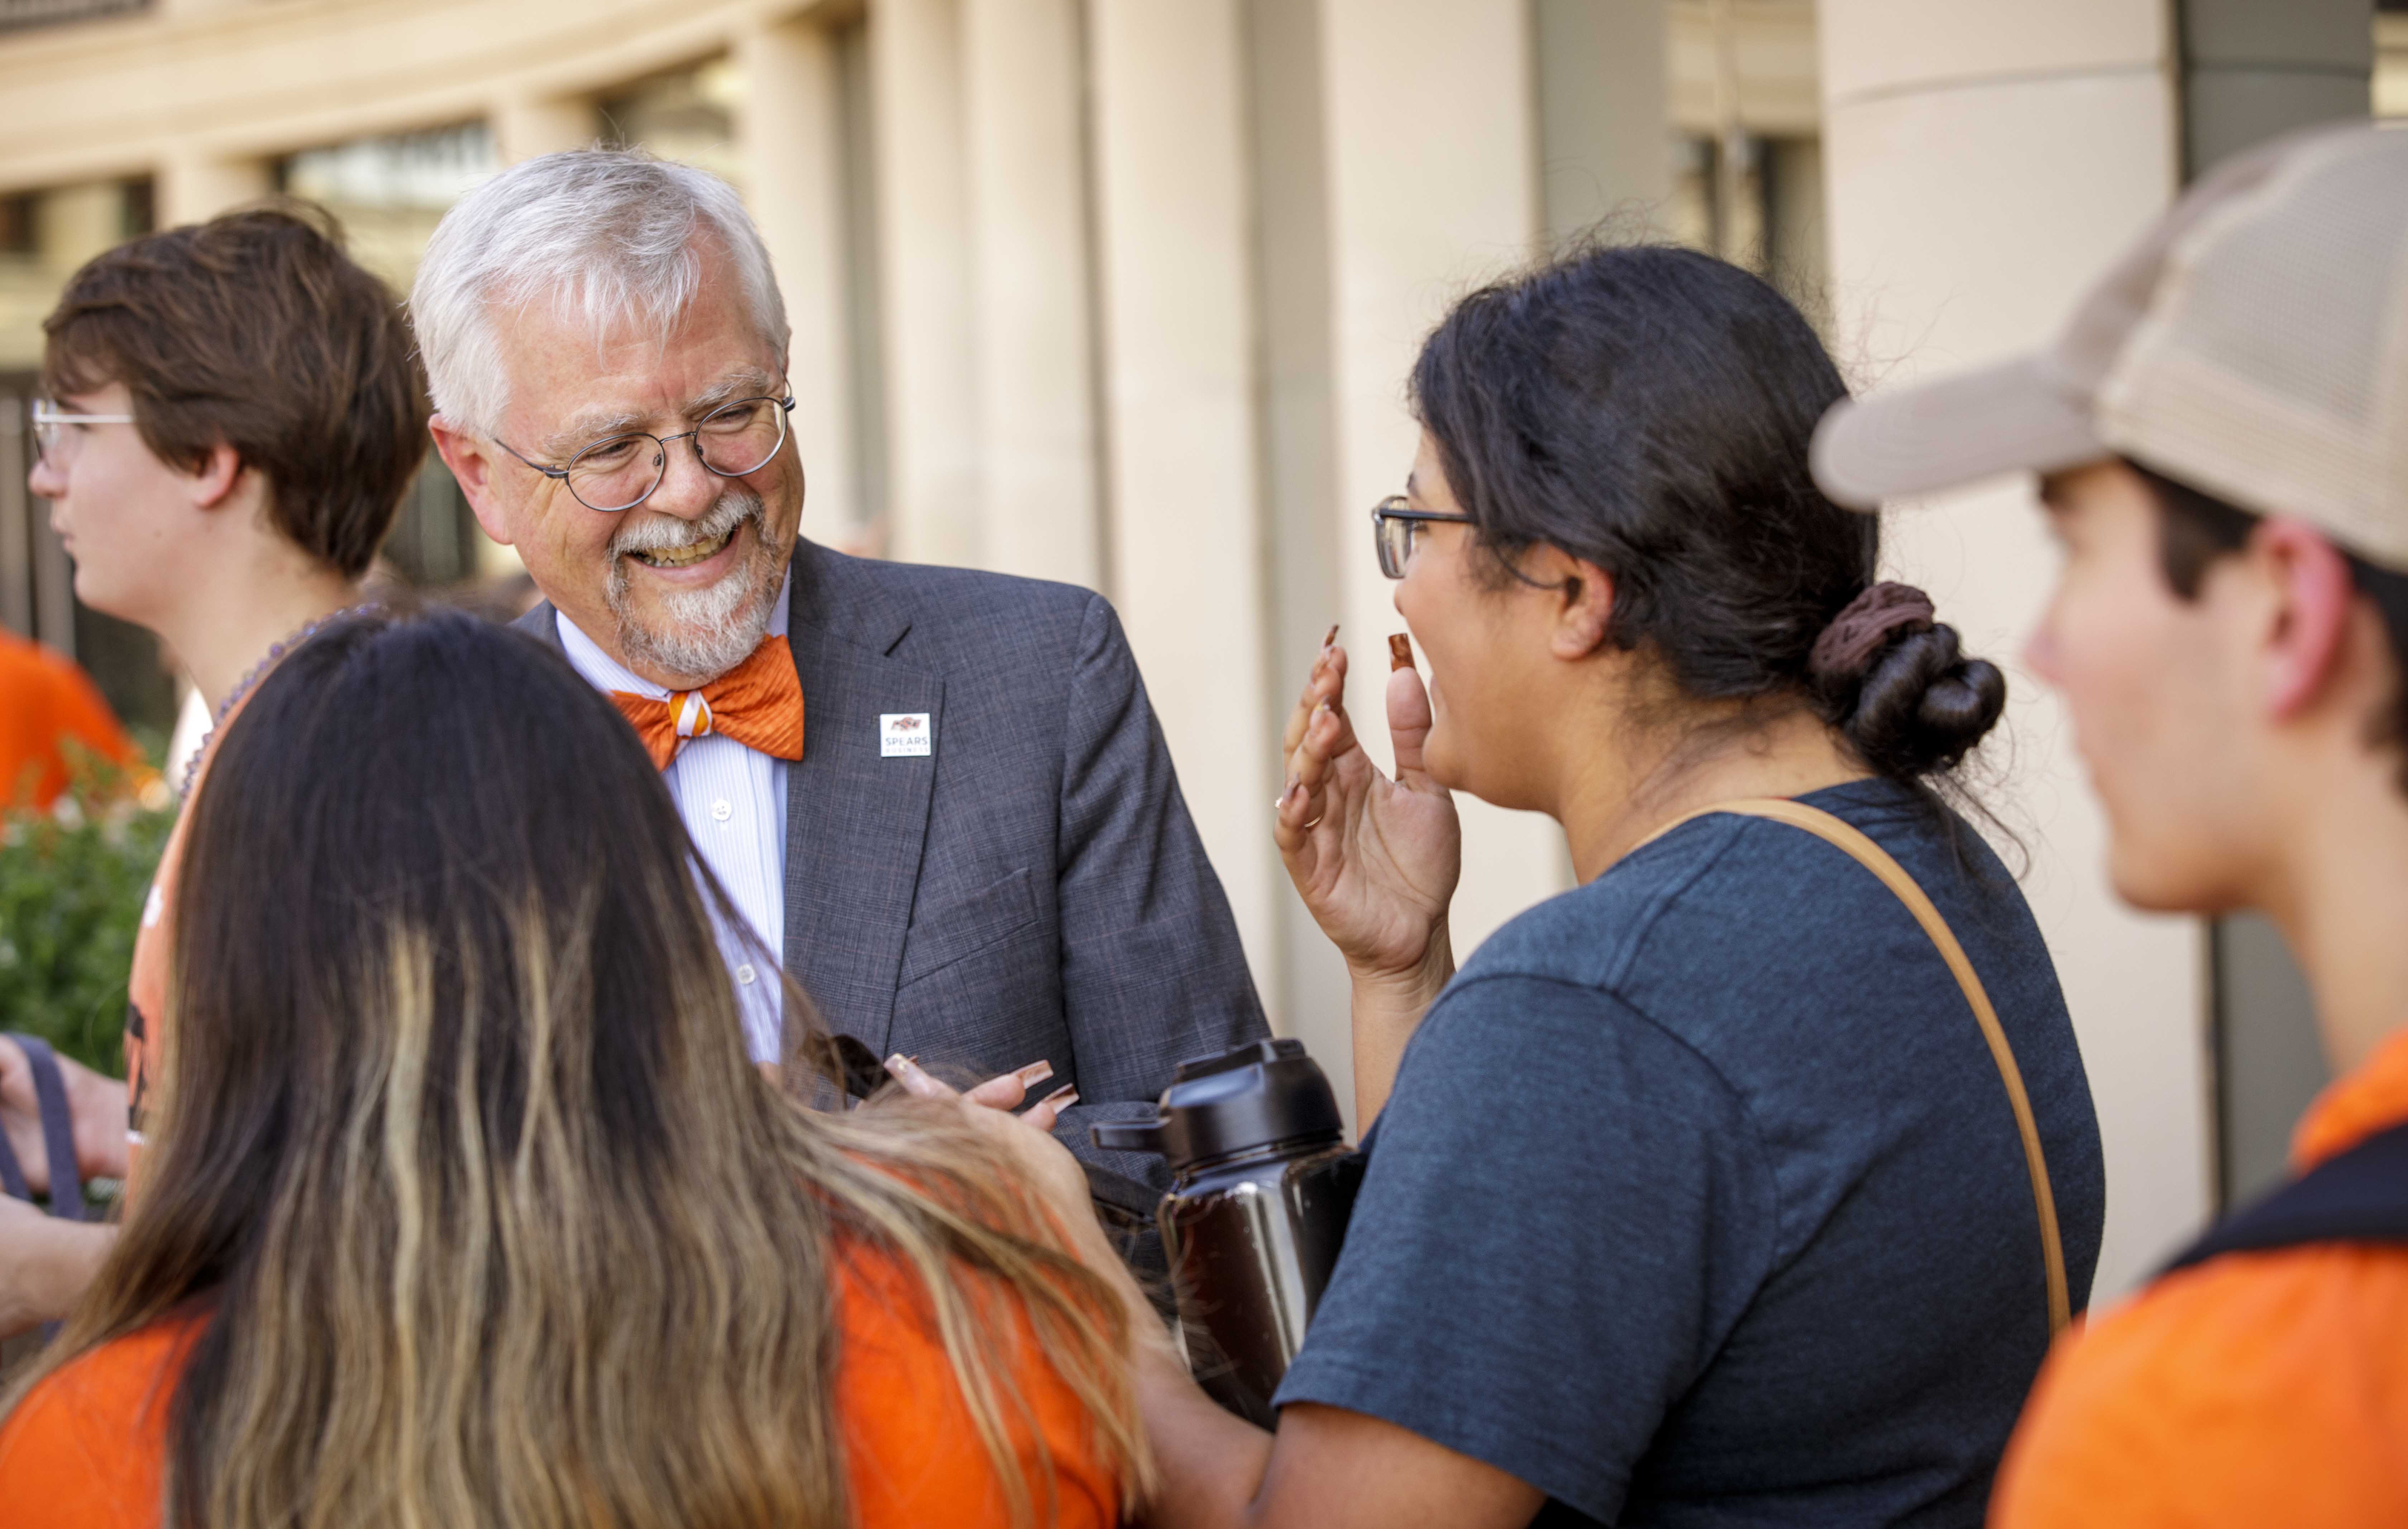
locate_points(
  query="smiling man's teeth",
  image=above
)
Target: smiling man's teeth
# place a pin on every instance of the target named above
(694, 552)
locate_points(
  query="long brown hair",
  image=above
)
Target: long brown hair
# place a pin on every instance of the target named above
(459, 1144)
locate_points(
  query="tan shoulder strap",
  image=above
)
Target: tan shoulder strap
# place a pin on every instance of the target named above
(1892, 875)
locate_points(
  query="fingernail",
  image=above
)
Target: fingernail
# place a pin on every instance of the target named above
(1331, 637)
(1319, 707)
(1034, 1073)
(1400, 652)
(1065, 1096)
(902, 1066)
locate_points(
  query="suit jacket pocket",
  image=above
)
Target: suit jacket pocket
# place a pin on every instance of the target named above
(956, 931)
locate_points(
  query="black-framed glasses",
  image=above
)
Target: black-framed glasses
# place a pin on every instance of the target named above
(620, 472)
(1394, 525)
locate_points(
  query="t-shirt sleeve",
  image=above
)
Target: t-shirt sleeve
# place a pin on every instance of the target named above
(1564, 1211)
(2248, 1391)
(87, 1445)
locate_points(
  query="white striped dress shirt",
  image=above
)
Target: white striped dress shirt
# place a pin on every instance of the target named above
(733, 802)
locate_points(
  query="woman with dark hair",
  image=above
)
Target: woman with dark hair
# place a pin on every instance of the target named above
(465, 1207)
(1744, 1183)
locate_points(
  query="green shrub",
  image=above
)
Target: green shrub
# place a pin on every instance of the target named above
(72, 884)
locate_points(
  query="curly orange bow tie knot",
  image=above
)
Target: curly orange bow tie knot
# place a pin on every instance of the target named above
(758, 703)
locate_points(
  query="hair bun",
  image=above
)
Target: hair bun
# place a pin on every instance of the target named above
(1917, 705)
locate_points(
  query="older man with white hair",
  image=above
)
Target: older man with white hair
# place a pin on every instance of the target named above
(940, 796)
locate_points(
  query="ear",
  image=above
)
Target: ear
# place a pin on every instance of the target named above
(216, 478)
(2314, 598)
(474, 467)
(1582, 597)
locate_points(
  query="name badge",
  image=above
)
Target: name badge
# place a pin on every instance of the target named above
(905, 735)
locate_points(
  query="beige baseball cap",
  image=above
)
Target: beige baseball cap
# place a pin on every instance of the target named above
(2254, 345)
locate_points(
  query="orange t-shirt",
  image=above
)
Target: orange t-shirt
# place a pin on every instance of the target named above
(2267, 1388)
(87, 1448)
(45, 700)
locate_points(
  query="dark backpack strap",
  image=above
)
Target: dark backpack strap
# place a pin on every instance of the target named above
(12, 1174)
(58, 1128)
(2361, 1195)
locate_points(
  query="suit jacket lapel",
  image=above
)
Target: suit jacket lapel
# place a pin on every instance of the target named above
(855, 822)
(540, 623)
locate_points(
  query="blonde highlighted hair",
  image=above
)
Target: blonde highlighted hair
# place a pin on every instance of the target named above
(459, 1145)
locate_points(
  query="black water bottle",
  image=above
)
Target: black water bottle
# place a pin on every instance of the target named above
(1262, 1183)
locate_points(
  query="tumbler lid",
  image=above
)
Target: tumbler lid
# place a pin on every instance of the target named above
(1264, 1095)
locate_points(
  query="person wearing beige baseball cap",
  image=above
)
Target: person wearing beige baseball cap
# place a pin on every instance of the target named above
(2221, 438)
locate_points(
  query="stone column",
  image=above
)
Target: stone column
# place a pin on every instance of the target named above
(1022, 99)
(526, 126)
(788, 130)
(1187, 558)
(1603, 112)
(1433, 187)
(195, 185)
(1985, 165)
(932, 403)
(74, 224)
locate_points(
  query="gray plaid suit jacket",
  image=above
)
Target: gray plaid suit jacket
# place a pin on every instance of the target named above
(1032, 889)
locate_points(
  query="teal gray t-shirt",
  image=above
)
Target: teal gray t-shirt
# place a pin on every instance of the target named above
(1699, 1199)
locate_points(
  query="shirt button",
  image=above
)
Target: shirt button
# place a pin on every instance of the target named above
(721, 811)
(744, 975)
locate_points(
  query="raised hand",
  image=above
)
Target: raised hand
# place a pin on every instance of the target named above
(1375, 860)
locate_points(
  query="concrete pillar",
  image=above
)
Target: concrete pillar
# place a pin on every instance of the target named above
(1433, 188)
(788, 131)
(1603, 112)
(525, 125)
(1021, 98)
(74, 224)
(2061, 134)
(1300, 447)
(1178, 349)
(932, 405)
(194, 186)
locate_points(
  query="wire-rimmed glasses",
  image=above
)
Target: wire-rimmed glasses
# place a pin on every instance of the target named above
(51, 424)
(1394, 525)
(620, 472)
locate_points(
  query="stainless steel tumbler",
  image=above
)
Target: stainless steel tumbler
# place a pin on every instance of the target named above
(1262, 1185)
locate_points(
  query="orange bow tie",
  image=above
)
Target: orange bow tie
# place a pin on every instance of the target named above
(759, 703)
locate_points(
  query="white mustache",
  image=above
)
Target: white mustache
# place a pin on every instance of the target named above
(656, 532)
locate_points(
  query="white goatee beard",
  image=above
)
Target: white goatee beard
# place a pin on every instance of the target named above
(708, 632)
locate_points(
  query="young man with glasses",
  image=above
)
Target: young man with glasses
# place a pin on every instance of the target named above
(2221, 438)
(937, 797)
(233, 416)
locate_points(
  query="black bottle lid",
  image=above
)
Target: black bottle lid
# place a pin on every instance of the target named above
(1269, 1095)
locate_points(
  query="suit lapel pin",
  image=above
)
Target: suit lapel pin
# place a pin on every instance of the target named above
(905, 735)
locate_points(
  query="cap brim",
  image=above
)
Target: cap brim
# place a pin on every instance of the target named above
(2007, 418)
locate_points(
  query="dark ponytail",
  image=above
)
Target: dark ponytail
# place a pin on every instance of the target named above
(1648, 409)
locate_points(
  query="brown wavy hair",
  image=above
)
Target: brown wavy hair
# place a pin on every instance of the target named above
(460, 1148)
(257, 330)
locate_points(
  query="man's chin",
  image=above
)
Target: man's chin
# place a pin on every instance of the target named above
(699, 632)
